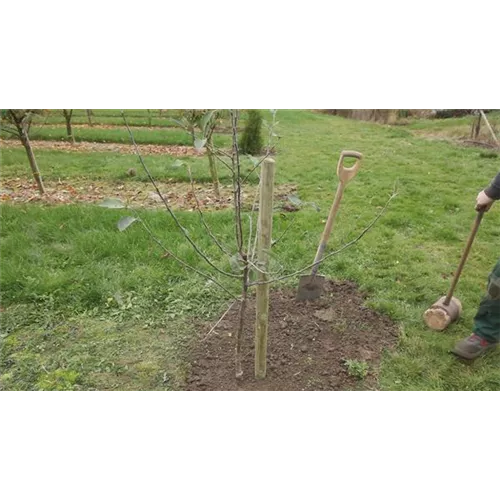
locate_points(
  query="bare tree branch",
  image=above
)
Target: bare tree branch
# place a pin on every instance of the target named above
(218, 322)
(290, 224)
(331, 254)
(180, 261)
(252, 264)
(202, 218)
(235, 162)
(216, 153)
(236, 170)
(254, 204)
(250, 230)
(165, 202)
(243, 306)
(14, 119)
(271, 132)
(26, 120)
(221, 152)
(10, 130)
(256, 167)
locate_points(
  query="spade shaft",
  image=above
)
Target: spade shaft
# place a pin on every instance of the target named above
(311, 285)
(328, 228)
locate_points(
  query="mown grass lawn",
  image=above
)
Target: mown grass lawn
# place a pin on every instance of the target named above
(109, 117)
(111, 167)
(165, 136)
(88, 307)
(136, 117)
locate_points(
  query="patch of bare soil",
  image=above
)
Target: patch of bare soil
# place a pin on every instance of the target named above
(309, 344)
(457, 137)
(145, 149)
(137, 194)
(478, 144)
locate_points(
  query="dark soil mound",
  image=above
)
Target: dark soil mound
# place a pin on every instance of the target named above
(309, 344)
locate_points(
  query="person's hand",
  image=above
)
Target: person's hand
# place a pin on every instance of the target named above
(483, 202)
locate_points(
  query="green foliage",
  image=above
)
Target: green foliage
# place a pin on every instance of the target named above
(251, 139)
(357, 369)
(125, 222)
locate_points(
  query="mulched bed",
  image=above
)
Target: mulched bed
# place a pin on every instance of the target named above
(137, 194)
(145, 149)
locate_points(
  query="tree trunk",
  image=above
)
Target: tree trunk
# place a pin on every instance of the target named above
(89, 117)
(213, 170)
(69, 130)
(241, 319)
(31, 157)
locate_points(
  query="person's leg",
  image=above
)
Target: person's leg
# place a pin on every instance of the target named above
(486, 322)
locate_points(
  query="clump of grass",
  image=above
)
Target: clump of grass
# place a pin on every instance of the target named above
(488, 154)
(357, 369)
(58, 380)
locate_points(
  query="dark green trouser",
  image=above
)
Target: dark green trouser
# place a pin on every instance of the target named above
(487, 320)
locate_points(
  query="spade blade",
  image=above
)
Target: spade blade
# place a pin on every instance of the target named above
(310, 287)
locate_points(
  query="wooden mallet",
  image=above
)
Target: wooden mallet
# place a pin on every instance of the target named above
(448, 308)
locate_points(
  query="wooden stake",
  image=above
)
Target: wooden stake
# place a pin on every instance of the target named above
(489, 127)
(265, 229)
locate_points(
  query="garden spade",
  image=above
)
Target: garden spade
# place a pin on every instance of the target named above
(311, 285)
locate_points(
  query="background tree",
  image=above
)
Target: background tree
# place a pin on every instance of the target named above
(89, 117)
(205, 121)
(21, 119)
(207, 124)
(251, 139)
(68, 113)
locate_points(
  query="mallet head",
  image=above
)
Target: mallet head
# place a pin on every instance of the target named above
(439, 316)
